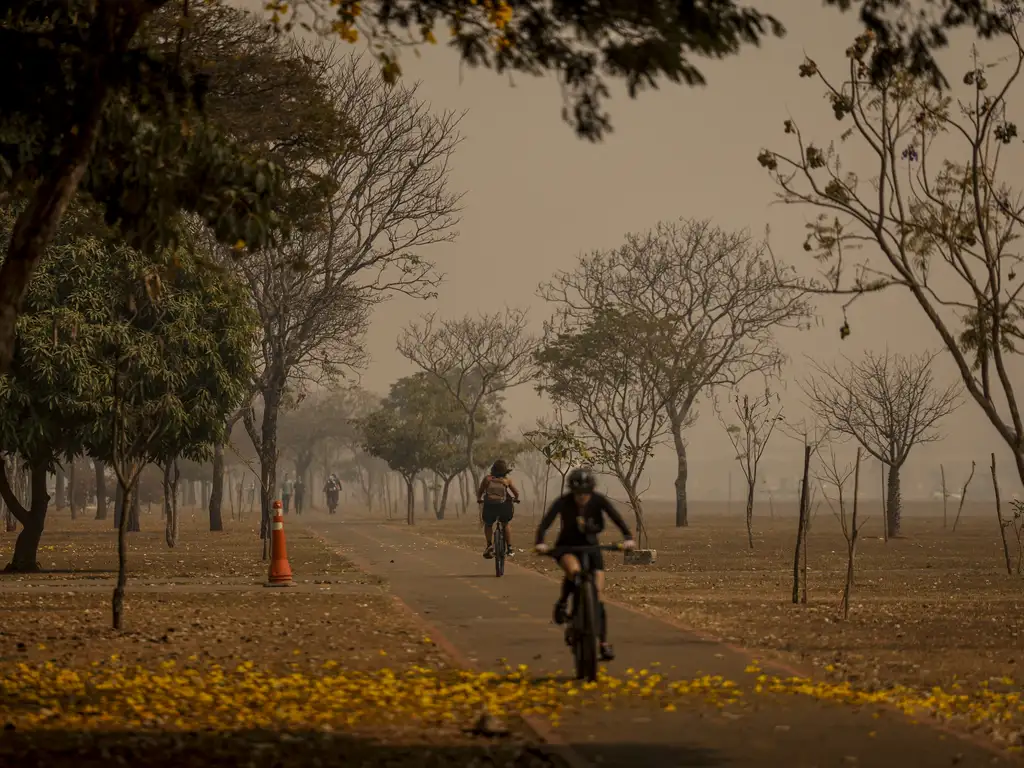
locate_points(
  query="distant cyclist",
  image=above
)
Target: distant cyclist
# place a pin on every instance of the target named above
(581, 513)
(497, 493)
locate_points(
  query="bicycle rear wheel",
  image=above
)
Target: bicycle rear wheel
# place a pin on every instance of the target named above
(499, 549)
(585, 645)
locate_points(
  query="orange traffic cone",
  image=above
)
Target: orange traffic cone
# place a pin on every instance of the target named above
(280, 570)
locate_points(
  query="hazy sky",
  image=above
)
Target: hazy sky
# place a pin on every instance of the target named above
(536, 197)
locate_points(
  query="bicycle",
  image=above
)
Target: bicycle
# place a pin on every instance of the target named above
(582, 634)
(500, 544)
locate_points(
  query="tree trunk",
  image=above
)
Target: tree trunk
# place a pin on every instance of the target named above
(32, 518)
(38, 221)
(217, 489)
(750, 511)
(682, 472)
(442, 498)
(134, 523)
(470, 446)
(894, 503)
(410, 501)
(170, 508)
(101, 489)
(73, 489)
(60, 492)
(268, 460)
(118, 505)
(117, 602)
(638, 512)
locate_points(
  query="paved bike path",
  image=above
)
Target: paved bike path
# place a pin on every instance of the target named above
(491, 621)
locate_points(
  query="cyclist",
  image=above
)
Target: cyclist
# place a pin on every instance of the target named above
(496, 493)
(581, 513)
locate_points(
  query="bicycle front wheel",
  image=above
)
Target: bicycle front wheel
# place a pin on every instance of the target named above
(586, 651)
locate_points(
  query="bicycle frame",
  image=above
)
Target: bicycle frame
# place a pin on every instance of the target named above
(584, 619)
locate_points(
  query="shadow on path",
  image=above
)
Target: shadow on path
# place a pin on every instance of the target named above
(298, 749)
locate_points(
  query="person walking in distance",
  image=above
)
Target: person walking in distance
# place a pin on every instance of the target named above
(496, 494)
(300, 494)
(286, 492)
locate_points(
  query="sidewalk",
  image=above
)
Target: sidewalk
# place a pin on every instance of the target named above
(490, 622)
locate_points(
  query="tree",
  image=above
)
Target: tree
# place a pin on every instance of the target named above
(834, 476)
(751, 428)
(639, 43)
(403, 433)
(613, 398)
(941, 219)
(561, 445)
(88, 99)
(537, 470)
(390, 202)
(475, 358)
(888, 403)
(97, 108)
(711, 305)
(125, 356)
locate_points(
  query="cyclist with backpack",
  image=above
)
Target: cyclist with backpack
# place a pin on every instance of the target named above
(582, 512)
(497, 493)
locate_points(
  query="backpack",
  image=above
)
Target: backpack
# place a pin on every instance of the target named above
(496, 490)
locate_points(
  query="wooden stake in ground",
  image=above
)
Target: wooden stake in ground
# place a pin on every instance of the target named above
(801, 525)
(963, 497)
(945, 494)
(999, 517)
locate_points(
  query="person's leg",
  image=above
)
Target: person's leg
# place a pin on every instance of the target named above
(284, 503)
(570, 565)
(509, 514)
(607, 652)
(488, 518)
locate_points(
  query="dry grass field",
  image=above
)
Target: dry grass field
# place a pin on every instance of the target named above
(211, 668)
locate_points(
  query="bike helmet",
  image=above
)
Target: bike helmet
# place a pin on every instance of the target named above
(581, 480)
(499, 468)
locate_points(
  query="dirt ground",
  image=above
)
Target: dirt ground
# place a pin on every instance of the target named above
(932, 608)
(213, 668)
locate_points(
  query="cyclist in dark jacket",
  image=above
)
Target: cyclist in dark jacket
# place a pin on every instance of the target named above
(582, 512)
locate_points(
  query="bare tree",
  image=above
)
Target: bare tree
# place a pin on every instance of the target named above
(474, 358)
(749, 432)
(615, 400)
(537, 469)
(888, 403)
(835, 478)
(934, 204)
(389, 202)
(711, 300)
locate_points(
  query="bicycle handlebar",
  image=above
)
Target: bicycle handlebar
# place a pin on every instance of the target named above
(579, 549)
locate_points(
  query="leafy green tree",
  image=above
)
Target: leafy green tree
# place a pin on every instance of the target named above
(404, 436)
(131, 358)
(97, 107)
(942, 219)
